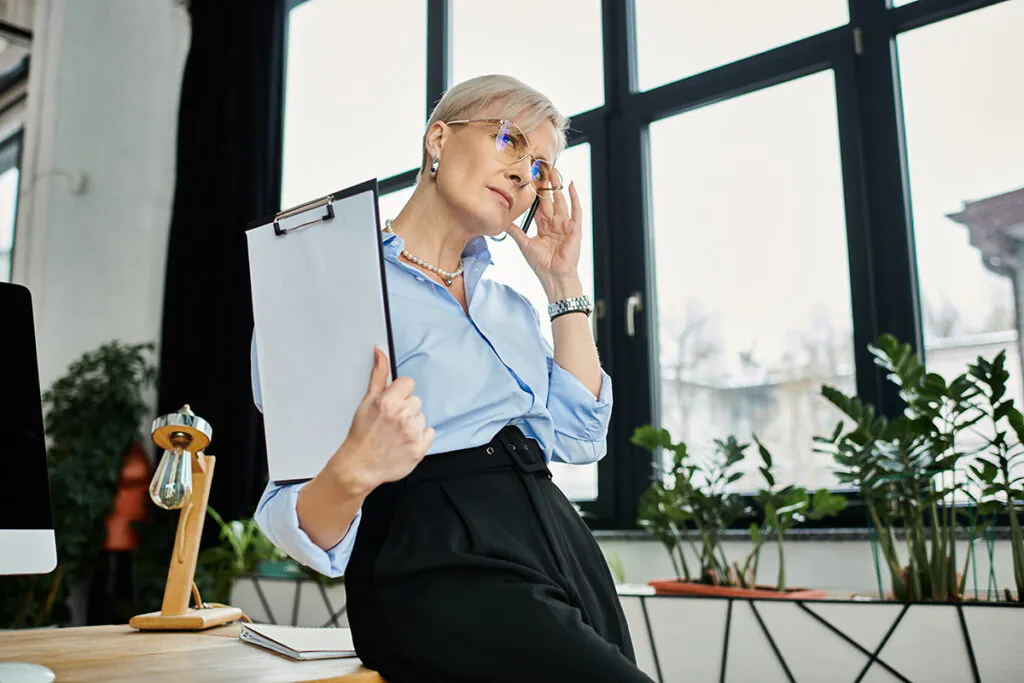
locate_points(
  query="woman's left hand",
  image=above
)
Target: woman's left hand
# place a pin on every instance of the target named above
(554, 253)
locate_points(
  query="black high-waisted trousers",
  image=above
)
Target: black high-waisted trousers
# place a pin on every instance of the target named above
(476, 568)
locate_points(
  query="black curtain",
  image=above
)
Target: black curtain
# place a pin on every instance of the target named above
(228, 173)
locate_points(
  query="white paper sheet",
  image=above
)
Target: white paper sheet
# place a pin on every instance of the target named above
(319, 308)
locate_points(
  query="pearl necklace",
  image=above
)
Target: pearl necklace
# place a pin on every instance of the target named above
(448, 277)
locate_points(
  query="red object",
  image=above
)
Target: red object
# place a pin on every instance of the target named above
(130, 501)
(677, 587)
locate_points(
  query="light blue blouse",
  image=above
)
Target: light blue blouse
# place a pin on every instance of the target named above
(475, 374)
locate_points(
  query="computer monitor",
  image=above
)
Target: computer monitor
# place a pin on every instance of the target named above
(27, 543)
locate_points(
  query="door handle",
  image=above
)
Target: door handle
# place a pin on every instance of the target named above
(634, 303)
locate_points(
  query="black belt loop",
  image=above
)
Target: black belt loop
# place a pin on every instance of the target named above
(525, 453)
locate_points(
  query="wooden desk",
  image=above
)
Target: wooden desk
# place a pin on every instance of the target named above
(120, 653)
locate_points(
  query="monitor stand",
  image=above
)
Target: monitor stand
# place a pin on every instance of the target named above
(22, 672)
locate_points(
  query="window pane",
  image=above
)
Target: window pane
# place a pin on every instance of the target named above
(578, 482)
(679, 39)
(355, 99)
(962, 107)
(752, 275)
(391, 203)
(554, 47)
(8, 215)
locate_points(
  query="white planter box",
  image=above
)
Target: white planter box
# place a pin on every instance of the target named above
(294, 602)
(682, 638)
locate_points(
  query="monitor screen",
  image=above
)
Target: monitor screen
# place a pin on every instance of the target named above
(26, 519)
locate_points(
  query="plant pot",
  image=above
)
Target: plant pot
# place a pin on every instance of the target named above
(680, 587)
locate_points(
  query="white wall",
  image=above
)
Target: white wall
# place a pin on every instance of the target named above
(841, 568)
(104, 84)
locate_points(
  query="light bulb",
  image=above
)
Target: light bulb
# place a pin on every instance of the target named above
(172, 481)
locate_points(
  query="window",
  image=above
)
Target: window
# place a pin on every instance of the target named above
(352, 68)
(962, 107)
(553, 46)
(10, 151)
(747, 231)
(752, 277)
(678, 39)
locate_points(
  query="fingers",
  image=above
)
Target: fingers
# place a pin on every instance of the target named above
(547, 206)
(428, 439)
(392, 402)
(404, 413)
(561, 208)
(400, 390)
(415, 426)
(518, 236)
(379, 373)
(411, 407)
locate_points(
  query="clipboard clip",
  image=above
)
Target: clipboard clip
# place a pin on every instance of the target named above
(327, 203)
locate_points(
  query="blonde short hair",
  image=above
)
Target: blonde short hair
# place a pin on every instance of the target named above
(521, 103)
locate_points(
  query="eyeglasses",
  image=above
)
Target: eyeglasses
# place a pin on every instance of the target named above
(511, 142)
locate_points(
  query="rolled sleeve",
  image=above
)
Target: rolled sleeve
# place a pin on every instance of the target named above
(278, 519)
(580, 420)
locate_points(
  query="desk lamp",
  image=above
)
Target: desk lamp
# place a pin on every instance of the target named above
(182, 481)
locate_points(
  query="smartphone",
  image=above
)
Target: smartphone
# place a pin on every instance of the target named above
(530, 214)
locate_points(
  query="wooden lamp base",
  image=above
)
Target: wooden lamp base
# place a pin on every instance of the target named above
(192, 620)
(175, 614)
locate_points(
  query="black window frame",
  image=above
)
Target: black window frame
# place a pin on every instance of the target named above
(880, 238)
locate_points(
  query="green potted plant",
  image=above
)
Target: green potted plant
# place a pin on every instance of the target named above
(242, 551)
(949, 462)
(690, 508)
(782, 509)
(92, 418)
(997, 470)
(908, 469)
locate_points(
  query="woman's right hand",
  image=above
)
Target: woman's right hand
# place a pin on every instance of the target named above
(389, 436)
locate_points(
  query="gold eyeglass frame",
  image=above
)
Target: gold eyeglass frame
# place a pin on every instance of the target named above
(548, 191)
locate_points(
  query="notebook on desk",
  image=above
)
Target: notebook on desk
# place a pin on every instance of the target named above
(300, 643)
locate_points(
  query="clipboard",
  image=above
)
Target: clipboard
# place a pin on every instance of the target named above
(320, 304)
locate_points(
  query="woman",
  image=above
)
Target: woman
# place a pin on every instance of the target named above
(462, 560)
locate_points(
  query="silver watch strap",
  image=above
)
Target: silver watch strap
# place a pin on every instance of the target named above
(570, 305)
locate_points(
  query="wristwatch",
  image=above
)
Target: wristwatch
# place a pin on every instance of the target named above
(571, 305)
